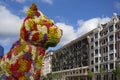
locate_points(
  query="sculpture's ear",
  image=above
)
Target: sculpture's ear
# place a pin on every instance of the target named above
(33, 7)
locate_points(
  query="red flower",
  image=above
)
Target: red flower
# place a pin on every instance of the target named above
(41, 50)
(29, 65)
(24, 33)
(35, 26)
(9, 78)
(9, 54)
(35, 37)
(38, 72)
(14, 67)
(37, 13)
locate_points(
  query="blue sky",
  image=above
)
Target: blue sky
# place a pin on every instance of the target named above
(75, 17)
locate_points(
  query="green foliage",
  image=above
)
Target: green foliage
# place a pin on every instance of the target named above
(52, 76)
(101, 70)
(45, 77)
(117, 71)
(90, 74)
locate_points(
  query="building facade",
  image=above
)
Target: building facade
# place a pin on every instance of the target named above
(72, 60)
(1, 51)
(109, 48)
(47, 67)
(97, 51)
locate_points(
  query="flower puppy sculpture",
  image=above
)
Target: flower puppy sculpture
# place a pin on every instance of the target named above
(24, 60)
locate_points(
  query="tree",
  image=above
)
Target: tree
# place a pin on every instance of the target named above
(117, 71)
(56, 76)
(52, 76)
(101, 73)
(45, 77)
(90, 74)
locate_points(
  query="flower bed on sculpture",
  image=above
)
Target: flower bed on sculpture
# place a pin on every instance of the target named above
(24, 60)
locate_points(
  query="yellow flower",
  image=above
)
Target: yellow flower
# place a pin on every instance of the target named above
(30, 24)
(52, 33)
(40, 22)
(24, 77)
(39, 62)
(23, 64)
(30, 13)
(8, 68)
(21, 47)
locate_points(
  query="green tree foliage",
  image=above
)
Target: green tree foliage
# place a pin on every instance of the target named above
(117, 71)
(90, 74)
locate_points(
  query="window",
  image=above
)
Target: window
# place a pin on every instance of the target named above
(73, 72)
(92, 62)
(115, 54)
(111, 38)
(106, 49)
(84, 70)
(105, 58)
(105, 32)
(96, 52)
(101, 34)
(96, 68)
(96, 43)
(92, 39)
(110, 28)
(111, 65)
(76, 72)
(92, 70)
(111, 56)
(106, 66)
(96, 35)
(106, 39)
(100, 58)
(111, 47)
(117, 26)
(92, 54)
(92, 47)
(118, 37)
(80, 71)
(96, 60)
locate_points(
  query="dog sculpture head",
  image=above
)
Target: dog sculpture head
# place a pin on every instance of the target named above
(24, 60)
(39, 30)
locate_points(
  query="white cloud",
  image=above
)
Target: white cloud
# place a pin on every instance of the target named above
(80, 22)
(86, 26)
(25, 8)
(9, 27)
(117, 5)
(9, 23)
(60, 19)
(48, 1)
(68, 33)
(20, 1)
(5, 41)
